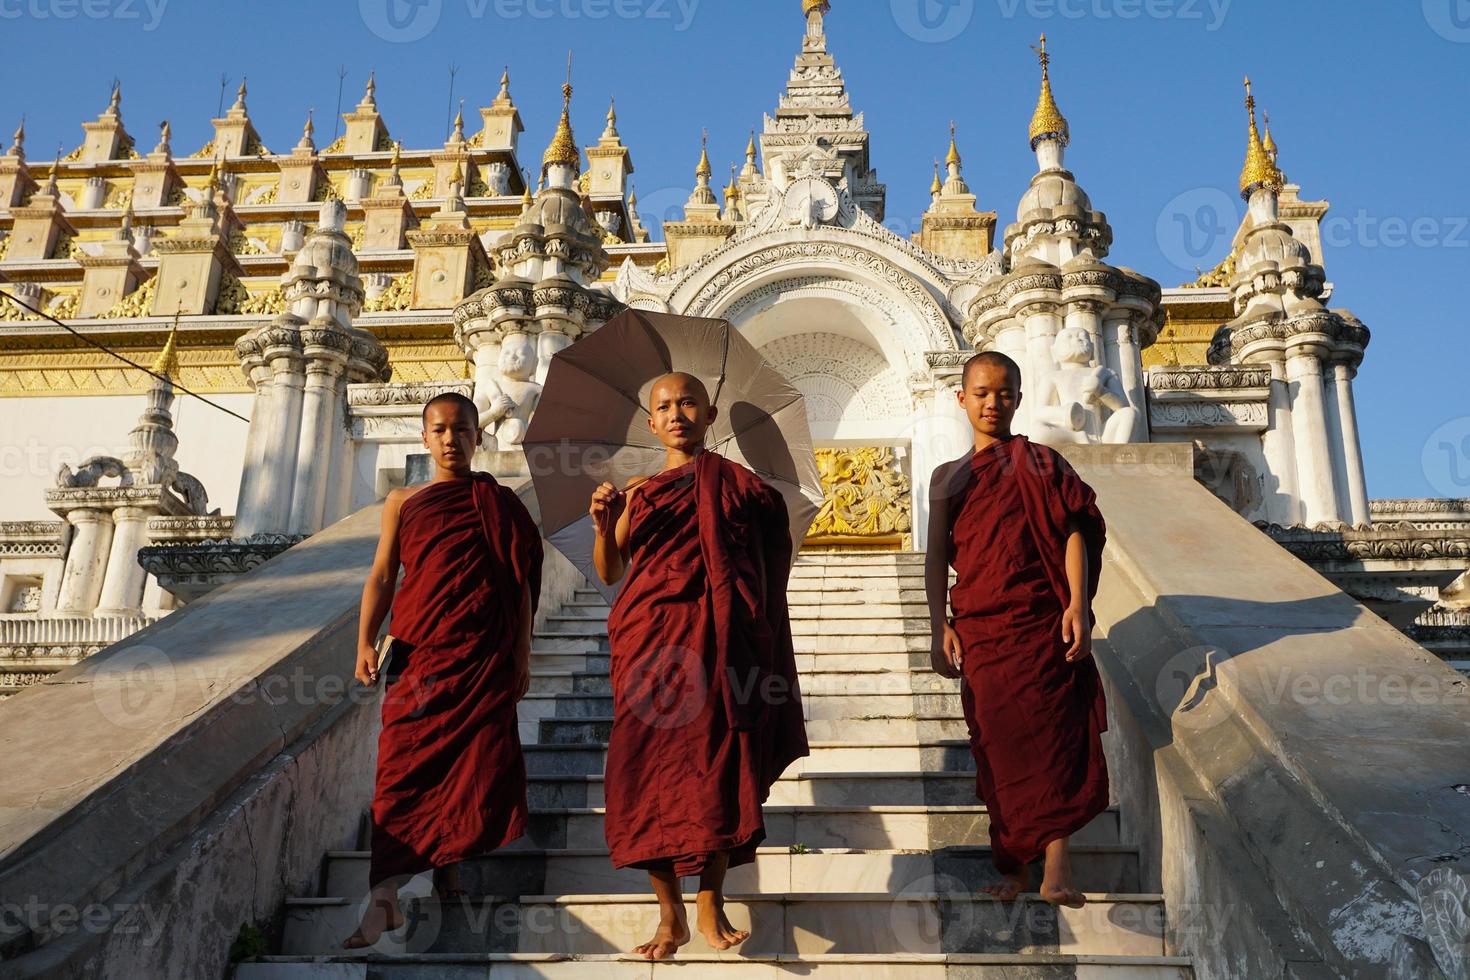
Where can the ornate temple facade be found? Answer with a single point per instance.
(322, 294)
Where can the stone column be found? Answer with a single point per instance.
(940, 433)
(1122, 338)
(122, 585)
(317, 447)
(271, 501)
(1309, 427)
(86, 560)
(254, 462)
(1042, 325)
(1278, 445)
(1347, 414)
(548, 343)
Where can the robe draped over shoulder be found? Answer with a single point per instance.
(1035, 720)
(451, 780)
(706, 704)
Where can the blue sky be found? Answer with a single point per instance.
(1367, 101)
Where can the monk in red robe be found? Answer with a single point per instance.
(706, 707)
(451, 780)
(1025, 538)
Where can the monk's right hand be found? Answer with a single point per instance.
(607, 506)
(367, 664)
(948, 653)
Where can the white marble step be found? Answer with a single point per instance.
(930, 756)
(857, 680)
(776, 870)
(915, 921)
(880, 730)
(792, 789)
(818, 826)
(717, 966)
(815, 705)
(815, 605)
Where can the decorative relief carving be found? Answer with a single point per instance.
(1207, 378)
(865, 496)
(1206, 414)
(413, 393)
(841, 378)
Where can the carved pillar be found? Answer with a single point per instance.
(260, 410)
(1347, 414)
(1041, 324)
(122, 585)
(1278, 445)
(86, 560)
(271, 500)
(324, 366)
(1122, 341)
(1309, 427)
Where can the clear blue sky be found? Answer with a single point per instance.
(1367, 100)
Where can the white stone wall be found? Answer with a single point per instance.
(38, 434)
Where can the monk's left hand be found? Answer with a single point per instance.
(1077, 633)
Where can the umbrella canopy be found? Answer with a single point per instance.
(591, 425)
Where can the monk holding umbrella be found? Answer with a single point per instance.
(655, 414)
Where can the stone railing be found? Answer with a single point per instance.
(182, 783)
(1291, 765)
(47, 630)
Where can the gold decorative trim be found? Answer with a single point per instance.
(867, 499)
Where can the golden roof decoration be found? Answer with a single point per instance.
(937, 186)
(1258, 171)
(954, 151)
(167, 362)
(502, 98)
(821, 6)
(704, 170)
(610, 134)
(563, 149)
(1047, 122)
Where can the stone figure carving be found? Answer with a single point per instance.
(507, 404)
(93, 470)
(1076, 394)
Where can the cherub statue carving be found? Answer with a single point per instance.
(1076, 394)
(507, 404)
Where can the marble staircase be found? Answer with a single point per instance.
(876, 844)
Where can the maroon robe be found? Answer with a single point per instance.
(451, 779)
(706, 706)
(1035, 720)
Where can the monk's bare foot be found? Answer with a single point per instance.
(714, 924)
(1056, 880)
(672, 932)
(446, 883)
(1010, 885)
(382, 915)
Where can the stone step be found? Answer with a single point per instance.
(823, 826)
(938, 756)
(857, 681)
(882, 730)
(918, 921)
(792, 789)
(817, 605)
(815, 705)
(621, 966)
(775, 870)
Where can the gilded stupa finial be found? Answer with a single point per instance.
(937, 186)
(1047, 122)
(502, 98)
(167, 362)
(165, 134)
(563, 149)
(704, 171)
(240, 95)
(819, 6)
(610, 134)
(18, 142)
(1258, 171)
(953, 160)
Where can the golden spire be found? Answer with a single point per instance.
(458, 136)
(704, 170)
(1268, 143)
(165, 133)
(611, 132)
(307, 129)
(502, 98)
(213, 184)
(563, 149)
(807, 6)
(936, 187)
(1047, 122)
(526, 199)
(240, 95)
(750, 149)
(458, 176)
(953, 160)
(167, 362)
(1258, 171)
(397, 154)
(17, 145)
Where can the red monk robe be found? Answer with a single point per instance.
(451, 780)
(692, 754)
(1035, 720)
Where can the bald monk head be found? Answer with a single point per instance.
(679, 411)
(991, 393)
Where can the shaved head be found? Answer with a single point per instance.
(995, 359)
(679, 379)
